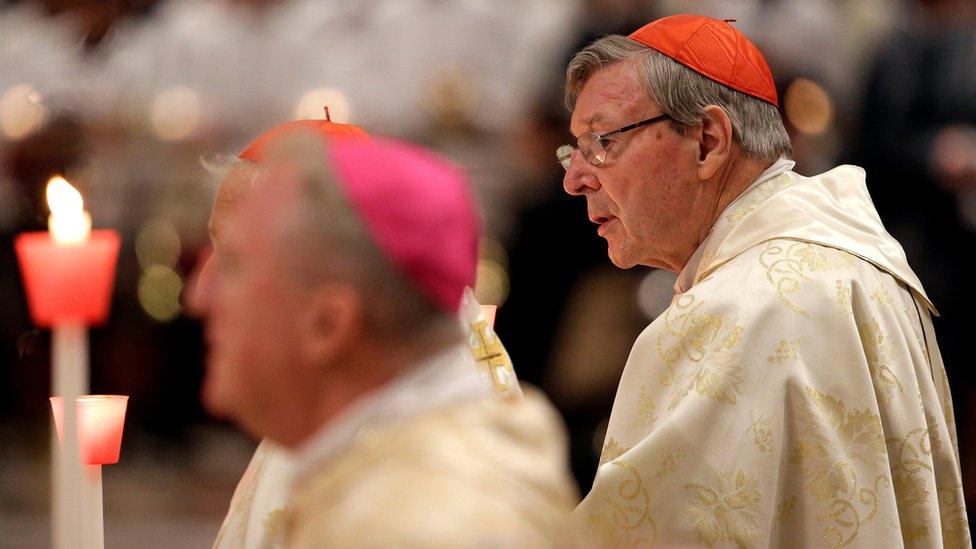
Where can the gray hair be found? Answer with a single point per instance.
(335, 244)
(683, 94)
(218, 166)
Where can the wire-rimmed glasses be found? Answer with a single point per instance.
(593, 145)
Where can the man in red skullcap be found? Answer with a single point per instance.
(255, 517)
(793, 392)
(332, 304)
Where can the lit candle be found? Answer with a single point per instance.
(68, 274)
(69, 223)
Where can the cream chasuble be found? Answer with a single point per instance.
(433, 460)
(792, 395)
(258, 513)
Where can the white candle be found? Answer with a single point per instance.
(69, 360)
(77, 516)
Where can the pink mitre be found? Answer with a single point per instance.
(418, 209)
(416, 206)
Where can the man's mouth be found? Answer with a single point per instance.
(603, 221)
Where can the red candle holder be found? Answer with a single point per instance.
(101, 419)
(68, 283)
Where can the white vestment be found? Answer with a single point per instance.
(792, 394)
(433, 460)
(257, 516)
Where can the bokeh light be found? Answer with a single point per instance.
(492, 283)
(176, 113)
(21, 111)
(655, 292)
(159, 293)
(158, 243)
(312, 105)
(808, 106)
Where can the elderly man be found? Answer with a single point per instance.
(256, 516)
(793, 392)
(331, 304)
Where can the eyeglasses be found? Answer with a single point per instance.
(594, 145)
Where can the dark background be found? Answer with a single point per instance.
(125, 97)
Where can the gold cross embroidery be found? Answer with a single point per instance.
(491, 356)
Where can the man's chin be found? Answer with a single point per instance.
(619, 257)
(214, 402)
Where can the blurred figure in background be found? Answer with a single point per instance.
(257, 509)
(918, 143)
(181, 78)
(793, 392)
(331, 308)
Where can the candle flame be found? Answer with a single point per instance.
(69, 222)
(63, 198)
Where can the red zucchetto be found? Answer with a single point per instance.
(255, 151)
(713, 48)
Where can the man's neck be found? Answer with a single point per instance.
(732, 180)
(362, 371)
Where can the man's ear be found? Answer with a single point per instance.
(334, 320)
(714, 142)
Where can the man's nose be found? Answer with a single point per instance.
(580, 178)
(199, 291)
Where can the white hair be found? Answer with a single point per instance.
(218, 166)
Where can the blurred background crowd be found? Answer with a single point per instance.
(124, 98)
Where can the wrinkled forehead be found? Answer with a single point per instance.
(262, 209)
(610, 95)
(275, 190)
(268, 185)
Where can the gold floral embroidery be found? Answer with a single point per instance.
(671, 462)
(726, 509)
(783, 516)
(691, 334)
(786, 350)
(706, 262)
(877, 350)
(846, 258)
(763, 434)
(933, 431)
(947, 411)
(626, 516)
(882, 297)
(787, 265)
(612, 450)
(784, 511)
(759, 196)
(844, 301)
(695, 330)
(645, 409)
(955, 525)
(910, 457)
(737, 215)
(276, 524)
(842, 454)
